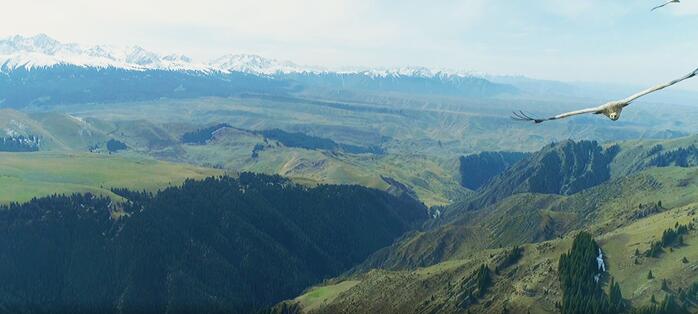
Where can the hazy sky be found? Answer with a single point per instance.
(575, 40)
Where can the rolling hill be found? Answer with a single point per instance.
(434, 269)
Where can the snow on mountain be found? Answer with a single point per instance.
(258, 65)
(42, 51)
(422, 72)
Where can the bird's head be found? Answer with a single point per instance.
(613, 112)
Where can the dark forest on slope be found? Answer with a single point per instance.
(217, 245)
(563, 168)
(301, 140)
(477, 169)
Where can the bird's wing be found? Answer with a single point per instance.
(521, 116)
(630, 99)
(662, 5)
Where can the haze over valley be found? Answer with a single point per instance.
(137, 179)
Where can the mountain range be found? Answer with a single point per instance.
(42, 51)
(40, 71)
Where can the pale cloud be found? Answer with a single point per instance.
(553, 39)
(685, 8)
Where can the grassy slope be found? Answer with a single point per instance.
(433, 180)
(27, 175)
(634, 153)
(424, 136)
(532, 283)
(324, 295)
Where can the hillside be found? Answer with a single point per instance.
(621, 215)
(259, 240)
(629, 195)
(477, 170)
(525, 216)
(24, 176)
(564, 168)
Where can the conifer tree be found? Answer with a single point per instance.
(581, 292)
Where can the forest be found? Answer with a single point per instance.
(203, 135)
(221, 244)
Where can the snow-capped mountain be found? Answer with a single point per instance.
(42, 51)
(41, 71)
(258, 65)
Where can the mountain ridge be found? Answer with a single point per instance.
(41, 51)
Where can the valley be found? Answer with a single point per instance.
(251, 185)
(428, 271)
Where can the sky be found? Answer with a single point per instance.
(618, 41)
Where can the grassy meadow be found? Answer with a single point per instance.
(27, 175)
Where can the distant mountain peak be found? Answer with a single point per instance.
(42, 51)
(251, 63)
(41, 43)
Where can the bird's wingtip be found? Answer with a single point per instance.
(521, 116)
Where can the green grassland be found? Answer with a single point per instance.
(27, 175)
(433, 179)
(319, 296)
(430, 125)
(450, 253)
(423, 136)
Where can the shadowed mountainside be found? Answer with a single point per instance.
(564, 168)
(478, 169)
(217, 245)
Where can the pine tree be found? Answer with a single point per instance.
(682, 294)
(581, 293)
(484, 278)
(649, 275)
(615, 296)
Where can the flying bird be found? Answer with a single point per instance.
(665, 4)
(610, 109)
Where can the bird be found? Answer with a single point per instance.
(665, 4)
(611, 109)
